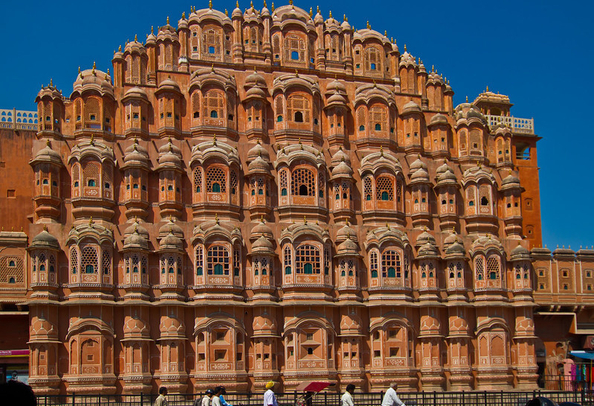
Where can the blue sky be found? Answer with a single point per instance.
(533, 51)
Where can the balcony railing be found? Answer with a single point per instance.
(517, 125)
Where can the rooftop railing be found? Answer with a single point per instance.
(18, 119)
(516, 124)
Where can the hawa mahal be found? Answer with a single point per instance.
(274, 195)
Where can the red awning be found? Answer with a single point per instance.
(312, 386)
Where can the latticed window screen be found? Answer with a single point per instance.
(459, 269)
(106, 261)
(298, 108)
(493, 267)
(351, 267)
(233, 182)
(144, 264)
(91, 171)
(307, 259)
(199, 260)
(294, 47)
(321, 183)
(451, 270)
(170, 265)
(264, 266)
(135, 263)
(42, 262)
(391, 264)
(384, 188)
(52, 263)
(337, 191)
(179, 266)
(431, 270)
(276, 44)
(215, 180)
(75, 174)
(73, 260)
(236, 261)
(373, 264)
(378, 120)
(198, 180)
(11, 270)
(211, 41)
(326, 261)
(218, 260)
(399, 191)
(89, 260)
(367, 188)
(303, 182)
(214, 103)
(283, 179)
(196, 105)
(287, 259)
(361, 120)
(279, 106)
(480, 268)
(373, 60)
(342, 267)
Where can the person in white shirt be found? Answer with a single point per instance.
(391, 398)
(214, 400)
(269, 396)
(206, 399)
(347, 398)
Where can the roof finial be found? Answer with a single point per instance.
(210, 4)
(261, 218)
(404, 47)
(272, 6)
(93, 139)
(183, 15)
(265, 6)
(290, 2)
(466, 99)
(152, 32)
(226, 13)
(304, 219)
(91, 221)
(382, 150)
(51, 82)
(167, 20)
(217, 218)
(487, 88)
(237, 4)
(330, 14)
(296, 73)
(368, 25)
(45, 227)
(252, 5)
(318, 9)
(135, 37)
(432, 68)
(311, 11)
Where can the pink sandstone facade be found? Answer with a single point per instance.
(273, 195)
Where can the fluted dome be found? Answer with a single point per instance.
(340, 156)
(452, 238)
(136, 154)
(258, 151)
(428, 250)
(259, 165)
(510, 180)
(424, 238)
(170, 155)
(136, 227)
(135, 93)
(171, 227)
(438, 119)
(93, 80)
(262, 246)
(44, 240)
(47, 155)
(170, 242)
(417, 164)
(168, 85)
(520, 253)
(348, 247)
(335, 86)
(136, 240)
(255, 79)
(342, 170)
(455, 250)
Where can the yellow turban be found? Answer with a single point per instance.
(270, 385)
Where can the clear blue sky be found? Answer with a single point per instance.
(533, 51)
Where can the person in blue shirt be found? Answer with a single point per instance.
(220, 391)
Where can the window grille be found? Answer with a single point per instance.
(218, 260)
(215, 180)
(303, 182)
(307, 259)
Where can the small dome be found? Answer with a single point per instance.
(342, 170)
(47, 155)
(510, 180)
(259, 165)
(171, 227)
(425, 238)
(93, 80)
(255, 79)
(168, 85)
(340, 156)
(335, 86)
(456, 249)
(346, 232)
(428, 250)
(348, 247)
(421, 175)
(418, 164)
(262, 246)
(134, 47)
(136, 240)
(345, 25)
(237, 13)
(255, 93)
(171, 242)
(170, 155)
(336, 98)
(438, 119)
(411, 107)
(136, 153)
(262, 230)
(135, 93)
(45, 240)
(451, 239)
(258, 151)
(136, 227)
(443, 168)
(520, 253)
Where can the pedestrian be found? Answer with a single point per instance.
(347, 398)
(205, 400)
(215, 399)
(391, 398)
(269, 396)
(162, 398)
(221, 391)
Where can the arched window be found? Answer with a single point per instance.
(373, 264)
(214, 104)
(287, 260)
(484, 201)
(384, 188)
(199, 260)
(303, 182)
(480, 268)
(367, 188)
(283, 182)
(391, 266)
(493, 267)
(89, 259)
(216, 180)
(218, 260)
(307, 259)
(298, 108)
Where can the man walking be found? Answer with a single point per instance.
(269, 396)
(162, 398)
(347, 398)
(391, 398)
